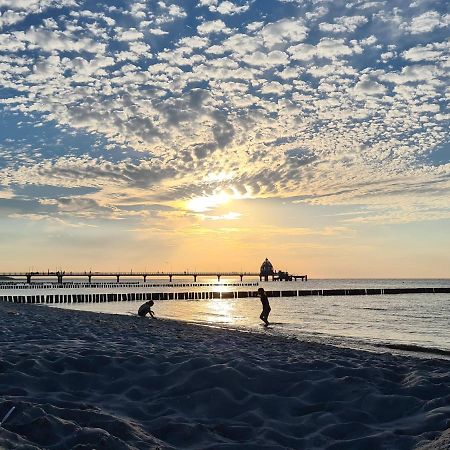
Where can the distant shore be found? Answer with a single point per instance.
(122, 382)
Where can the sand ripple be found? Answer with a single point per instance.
(81, 381)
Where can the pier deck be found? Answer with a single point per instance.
(60, 275)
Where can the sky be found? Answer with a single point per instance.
(211, 134)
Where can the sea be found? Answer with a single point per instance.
(413, 323)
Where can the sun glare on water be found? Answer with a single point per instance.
(220, 311)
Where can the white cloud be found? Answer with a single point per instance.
(208, 2)
(368, 4)
(216, 49)
(284, 31)
(242, 44)
(412, 74)
(10, 43)
(386, 56)
(289, 72)
(35, 5)
(157, 31)
(130, 34)
(345, 24)
(333, 48)
(335, 69)
(227, 7)
(194, 42)
(317, 12)
(176, 11)
(428, 22)
(430, 52)
(87, 68)
(326, 48)
(366, 86)
(224, 7)
(260, 59)
(213, 26)
(56, 40)
(303, 52)
(253, 26)
(10, 18)
(138, 10)
(273, 87)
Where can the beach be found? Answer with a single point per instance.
(85, 380)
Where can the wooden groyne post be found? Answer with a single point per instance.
(24, 295)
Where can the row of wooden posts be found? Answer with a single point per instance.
(144, 296)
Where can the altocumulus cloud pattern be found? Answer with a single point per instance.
(106, 105)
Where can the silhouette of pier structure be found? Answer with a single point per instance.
(266, 272)
(63, 275)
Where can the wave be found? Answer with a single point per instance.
(416, 348)
(374, 309)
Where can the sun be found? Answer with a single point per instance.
(206, 203)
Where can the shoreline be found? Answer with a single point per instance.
(398, 347)
(80, 378)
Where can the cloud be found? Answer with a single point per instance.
(227, 7)
(130, 34)
(254, 26)
(284, 31)
(327, 48)
(260, 59)
(428, 22)
(274, 87)
(345, 24)
(10, 18)
(298, 101)
(50, 41)
(35, 5)
(213, 26)
(429, 52)
(10, 43)
(412, 74)
(176, 11)
(157, 31)
(224, 7)
(366, 86)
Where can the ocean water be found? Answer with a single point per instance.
(418, 323)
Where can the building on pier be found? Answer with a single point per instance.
(266, 270)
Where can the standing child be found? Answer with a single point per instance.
(266, 306)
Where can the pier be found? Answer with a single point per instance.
(61, 275)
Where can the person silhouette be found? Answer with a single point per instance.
(266, 306)
(146, 309)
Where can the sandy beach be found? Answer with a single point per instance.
(80, 380)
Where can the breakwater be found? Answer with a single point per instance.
(97, 294)
(359, 291)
